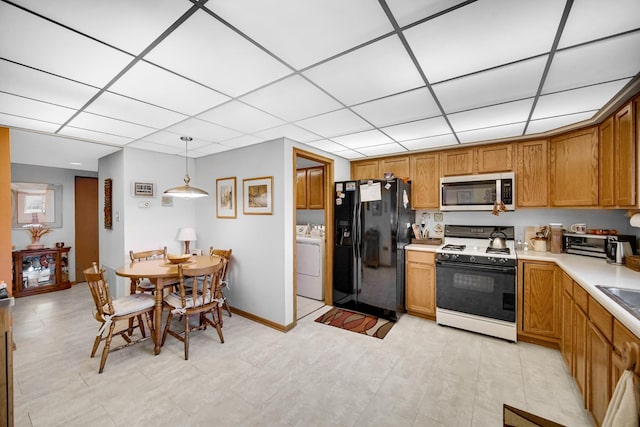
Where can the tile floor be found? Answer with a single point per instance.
(307, 306)
(421, 374)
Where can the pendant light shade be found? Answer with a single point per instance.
(186, 191)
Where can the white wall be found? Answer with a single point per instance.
(67, 234)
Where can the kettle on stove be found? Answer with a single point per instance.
(617, 251)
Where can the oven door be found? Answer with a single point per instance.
(481, 290)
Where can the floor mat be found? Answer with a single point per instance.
(356, 322)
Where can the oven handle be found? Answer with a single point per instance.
(476, 266)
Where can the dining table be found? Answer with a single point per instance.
(161, 272)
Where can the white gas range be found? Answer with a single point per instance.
(476, 282)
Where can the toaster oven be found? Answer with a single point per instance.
(594, 245)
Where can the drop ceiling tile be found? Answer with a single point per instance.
(592, 19)
(409, 11)
(152, 84)
(418, 129)
(431, 142)
(138, 23)
(91, 135)
(22, 122)
(241, 117)
(164, 137)
(326, 145)
(336, 123)
(319, 29)
(152, 146)
(349, 154)
(376, 70)
(289, 131)
(30, 83)
(204, 130)
(127, 109)
(577, 100)
(211, 149)
(473, 37)
(503, 84)
(491, 133)
(404, 107)
(282, 99)
(363, 139)
(35, 148)
(242, 141)
(593, 63)
(31, 109)
(543, 125)
(208, 52)
(510, 112)
(109, 126)
(38, 43)
(380, 150)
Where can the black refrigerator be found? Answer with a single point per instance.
(372, 225)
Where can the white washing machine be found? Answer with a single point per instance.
(310, 264)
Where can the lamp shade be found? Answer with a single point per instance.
(186, 191)
(186, 234)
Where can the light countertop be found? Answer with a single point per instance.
(587, 271)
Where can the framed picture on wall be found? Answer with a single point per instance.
(226, 197)
(34, 203)
(257, 196)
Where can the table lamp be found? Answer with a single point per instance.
(186, 235)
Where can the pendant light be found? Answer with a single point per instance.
(186, 191)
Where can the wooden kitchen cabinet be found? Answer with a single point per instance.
(365, 169)
(421, 284)
(399, 166)
(494, 158)
(573, 160)
(457, 162)
(425, 181)
(606, 153)
(580, 331)
(599, 351)
(541, 314)
(532, 174)
(36, 271)
(566, 340)
(310, 188)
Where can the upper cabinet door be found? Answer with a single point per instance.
(399, 166)
(574, 169)
(457, 162)
(532, 174)
(625, 157)
(301, 189)
(606, 163)
(494, 158)
(365, 169)
(425, 181)
(315, 188)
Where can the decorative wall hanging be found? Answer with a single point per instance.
(226, 197)
(257, 195)
(33, 203)
(108, 223)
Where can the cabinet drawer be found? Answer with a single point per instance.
(421, 257)
(601, 318)
(622, 335)
(580, 296)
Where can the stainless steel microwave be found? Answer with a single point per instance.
(477, 192)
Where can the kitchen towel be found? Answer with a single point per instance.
(635, 220)
(622, 410)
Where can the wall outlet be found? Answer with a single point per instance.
(145, 204)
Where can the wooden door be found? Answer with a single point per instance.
(606, 163)
(315, 188)
(366, 169)
(421, 290)
(581, 323)
(86, 219)
(566, 343)
(399, 166)
(599, 373)
(495, 158)
(542, 300)
(457, 162)
(425, 181)
(301, 189)
(625, 157)
(532, 174)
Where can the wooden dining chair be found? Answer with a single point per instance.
(144, 284)
(195, 300)
(109, 312)
(224, 282)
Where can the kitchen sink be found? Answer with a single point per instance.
(629, 299)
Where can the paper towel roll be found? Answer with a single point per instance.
(635, 220)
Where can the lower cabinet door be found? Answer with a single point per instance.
(581, 323)
(599, 362)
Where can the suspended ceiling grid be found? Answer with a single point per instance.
(355, 78)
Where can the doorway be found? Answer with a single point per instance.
(86, 224)
(322, 219)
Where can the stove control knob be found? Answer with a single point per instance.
(503, 260)
(472, 258)
(491, 259)
(455, 256)
(445, 256)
